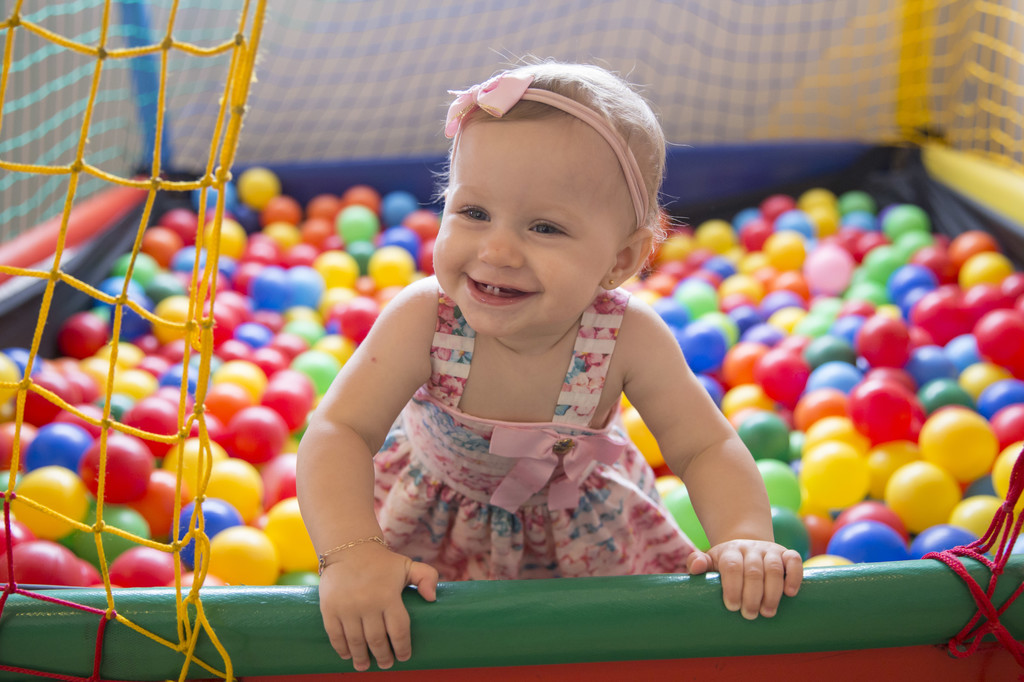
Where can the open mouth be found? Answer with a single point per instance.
(494, 290)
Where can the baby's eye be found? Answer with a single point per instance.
(544, 228)
(474, 213)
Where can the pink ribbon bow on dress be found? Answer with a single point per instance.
(537, 452)
(495, 96)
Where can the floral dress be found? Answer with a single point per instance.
(486, 499)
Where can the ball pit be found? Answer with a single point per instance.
(874, 372)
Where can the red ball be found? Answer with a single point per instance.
(41, 562)
(39, 410)
(19, 533)
(292, 345)
(271, 319)
(90, 410)
(225, 318)
(1008, 424)
(244, 274)
(1000, 336)
(183, 222)
(883, 341)
(161, 244)
(819, 529)
(300, 254)
(279, 479)
(291, 395)
(755, 233)
(866, 242)
(1013, 285)
(234, 349)
(258, 433)
(356, 316)
(775, 205)
(984, 298)
(260, 250)
(941, 313)
(269, 359)
(154, 364)
(155, 415)
(82, 335)
(893, 375)
(28, 433)
(423, 222)
(882, 410)
(856, 307)
(142, 567)
(129, 464)
(782, 373)
(871, 510)
(936, 259)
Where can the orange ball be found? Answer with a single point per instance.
(739, 362)
(661, 283)
(818, 404)
(226, 398)
(969, 243)
(364, 195)
(315, 230)
(791, 280)
(324, 206)
(161, 243)
(281, 209)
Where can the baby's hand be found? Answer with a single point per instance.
(754, 574)
(361, 604)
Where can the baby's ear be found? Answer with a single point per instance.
(632, 256)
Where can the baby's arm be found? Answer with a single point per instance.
(701, 446)
(361, 586)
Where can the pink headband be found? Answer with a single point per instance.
(499, 94)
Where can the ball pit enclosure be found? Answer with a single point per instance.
(876, 618)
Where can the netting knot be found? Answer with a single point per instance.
(101, 53)
(14, 20)
(239, 39)
(238, 110)
(99, 526)
(167, 43)
(77, 166)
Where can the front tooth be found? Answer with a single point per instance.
(491, 289)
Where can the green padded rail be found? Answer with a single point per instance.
(277, 630)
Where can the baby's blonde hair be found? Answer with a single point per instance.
(614, 100)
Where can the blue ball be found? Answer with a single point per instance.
(57, 444)
(404, 237)
(835, 374)
(230, 198)
(173, 375)
(133, 325)
(19, 356)
(795, 220)
(745, 317)
(846, 328)
(927, 363)
(185, 258)
(861, 220)
(704, 345)
(940, 538)
(714, 389)
(305, 286)
(227, 266)
(672, 312)
(744, 217)
(777, 300)
(254, 334)
(998, 395)
(963, 351)
(269, 289)
(764, 333)
(907, 302)
(868, 542)
(720, 265)
(908, 277)
(394, 206)
(217, 515)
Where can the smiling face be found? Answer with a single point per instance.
(537, 219)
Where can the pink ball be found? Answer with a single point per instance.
(828, 269)
(883, 341)
(258, 433)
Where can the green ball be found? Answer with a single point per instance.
(868, 291)
(941, 392)
(301, 578)
(145, 268)
(357, 224)
(310, 330)
(361, 252)
(881, 261)
(782, 484)
(163, 285)
(119, 405)
(812, 326)
(320, 367)
(796, 445)
(790, 531)
(678, 503)
(910, 243)
(119, 516)
(766, 435)
(828, 348)
(827, 307)
(697, 296)
(904, 218)
(728, 325)
(856, 200)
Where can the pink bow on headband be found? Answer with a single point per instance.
(537, 453)
(495, 96)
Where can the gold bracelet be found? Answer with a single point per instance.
(348, 545)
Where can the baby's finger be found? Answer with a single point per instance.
(794, 565)
(336, 633)
(698, 562)
(356, 643)
(396, 620)
(774, 578)
(753, 585)
(377, 639)
(730, 567)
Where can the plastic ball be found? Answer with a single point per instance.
(871, 510)
(789, 531)
(356, 317)
(116, 516)
(745, 396)
(696, 296)
(1007, 423)
(766, 435)
(704, 346)
(41, 562)
(715, 235)
(882, 410)
(279, 478)
(142, 567)
(960, 441)
(1002, 468)
(245, 374)
(57, 444)
(818, 404)
(281, 208)
(739, 362)
(81, 335)
(979, 376)
(883, 342)
(357, 223)
(986, 267)
(391, 266)
(835, 374)
(396, 205)
(835, 429)
(828, 269)
(257, 186)
(1000, 394)
(287, 532)
(975, 513)
(258, 434)
(128, 466)
(783, 375)
(834, 474)
(156, 505)
(642, 437)
(55, 487)
(191, 456)
(216, 516)
(905, 218)
(868, 541)
(243, 555)
(782, 484)
(922, 494)
(939, 538)
(823, 560)
(677, 501)
(320, 367)
(238, 483)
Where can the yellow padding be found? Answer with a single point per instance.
(998, 188)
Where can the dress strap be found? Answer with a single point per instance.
(451, 352)
(595, 342)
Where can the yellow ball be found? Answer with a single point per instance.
(826, 560)
(960, 441)
(835, 429)
(752, 262)
(743, 284)
(304, 313)
(257, 186)
(666, 484)
(128, 354)
(57, 488)
(825, 218)
(785, 250)
(787, 318)
(976, 378)
(642, 437)
(676, 247)
(987, 267)
(97, 368)
(743, 396)
(285, 235)
(173, 311)
(287, 531)
(647, 296)
(890, 310)
(9, 372)
(975, 513)
(338, 268)
(884, 459)
(136, 383)
(332, 297)
(922, 494)
(233, 238)
(1001, 470)
(835, 475)
(715, 235)
(817, 197)
(391, 266)
(238, 483)
(244, 373)
(193, 461)
(243, 555)
(336, 345)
